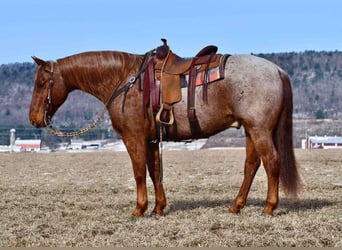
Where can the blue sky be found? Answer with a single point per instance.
(55, 29)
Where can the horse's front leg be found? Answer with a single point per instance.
(136, 148)
(153, 163)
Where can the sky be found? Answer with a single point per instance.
(56, 29)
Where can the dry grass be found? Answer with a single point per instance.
(78, 199)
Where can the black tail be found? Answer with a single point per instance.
(283, 138)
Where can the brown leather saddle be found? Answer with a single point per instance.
(169, 72)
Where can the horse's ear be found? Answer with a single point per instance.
(38, 60)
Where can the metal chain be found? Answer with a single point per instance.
(59, 133)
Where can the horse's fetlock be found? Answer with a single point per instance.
(158, 211)
(137, 213)
(234, 210)
(268, 210)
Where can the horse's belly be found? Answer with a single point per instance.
(210, 118)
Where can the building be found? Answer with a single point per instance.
(324, 142)
(78, 144)
(28, 145)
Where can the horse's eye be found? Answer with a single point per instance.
(41, 85)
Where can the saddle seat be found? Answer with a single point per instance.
(169, 67)
(178, 65)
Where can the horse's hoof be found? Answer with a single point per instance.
(137, 213)
(158, 212)
(234, 210)
(268, 211)
(155, 215)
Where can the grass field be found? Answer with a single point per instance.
(86, 199)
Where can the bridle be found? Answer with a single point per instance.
(123, 89)
(47, 118)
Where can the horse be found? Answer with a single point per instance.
(255, 93)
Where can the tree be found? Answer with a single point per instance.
(7, 112)
(319, 114)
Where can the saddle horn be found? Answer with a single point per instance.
(162, 50)
(164, 41)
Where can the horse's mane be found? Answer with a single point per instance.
(98, 67)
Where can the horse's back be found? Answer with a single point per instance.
(253, 72)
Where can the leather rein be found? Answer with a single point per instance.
(123, 89)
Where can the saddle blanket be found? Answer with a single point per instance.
(212, 75)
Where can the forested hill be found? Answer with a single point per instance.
(316, 79)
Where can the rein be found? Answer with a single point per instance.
(123, 89)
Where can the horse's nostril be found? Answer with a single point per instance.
(33, 123)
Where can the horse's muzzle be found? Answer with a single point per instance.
(37, 125)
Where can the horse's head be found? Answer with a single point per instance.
(49, 93)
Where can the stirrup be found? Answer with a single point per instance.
(170, 122)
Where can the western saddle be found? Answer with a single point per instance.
(167, 73)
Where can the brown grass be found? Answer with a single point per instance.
(86, 199)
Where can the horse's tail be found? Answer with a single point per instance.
(283, 138)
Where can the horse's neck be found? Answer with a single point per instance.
(103, 78)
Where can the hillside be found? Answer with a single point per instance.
(316, 79)
(317, 82)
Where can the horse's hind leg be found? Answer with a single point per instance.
(264, 145)
(153, 163)
(252, 164)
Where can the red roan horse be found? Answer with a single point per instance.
(255, 93)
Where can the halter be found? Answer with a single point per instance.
(47, 118)
(123, 89)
